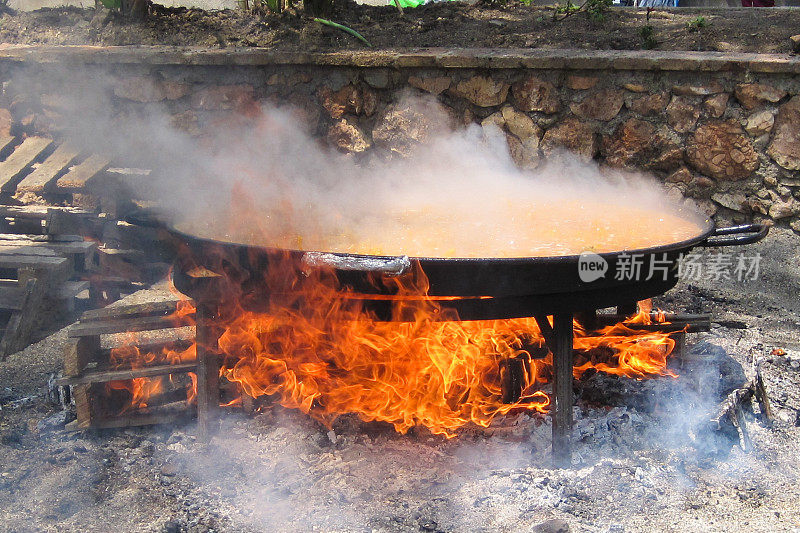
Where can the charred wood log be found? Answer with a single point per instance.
(661, 322)
(761, 395)
(730, 420)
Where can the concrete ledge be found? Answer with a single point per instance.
(640, 60)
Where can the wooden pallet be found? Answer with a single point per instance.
(36, 169)
(121, 271)
(40, 166)
(63, 172)
(41, 271)
(111, 271)
(20, 162)
(87, 368)
(25, 283)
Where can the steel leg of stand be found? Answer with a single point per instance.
(207, 376)
(562, 388)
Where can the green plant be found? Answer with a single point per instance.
(345, 29)
(647, 33)
(697, 23)
(596, 9)
(135, 9)
(567, 9)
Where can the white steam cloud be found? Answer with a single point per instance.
(266, 180)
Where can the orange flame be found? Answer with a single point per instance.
(130, 356)
(317, 350)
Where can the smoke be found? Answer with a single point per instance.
(262, 178)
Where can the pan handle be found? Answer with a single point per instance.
(736, 235)
(391, 266)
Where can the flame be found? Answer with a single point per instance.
(318, 348)
(130, 356)
(636, 353)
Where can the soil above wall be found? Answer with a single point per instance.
(440, 25)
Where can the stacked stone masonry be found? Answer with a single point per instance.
(722, 133)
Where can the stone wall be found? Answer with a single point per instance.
(723, 129)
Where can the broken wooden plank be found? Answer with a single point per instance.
(49, 171)
(63, 222)
(6, 142)
(30, 261)
(761, 394)
(174, 340)
(19, 327)
(70, 248)
(130, 171)
(118, 375)
(147, 323)
(730, 416)
(169, 397)
(63, 238)
(162, 308)
(78, 353)
(107, 289)
(19, 237)
(39, 211)
(21, 160)
(82, 173)
(12, 298)
(32, 248)
(667, 327)
(130, 420)
(70, 289)
(663, 322)
(121, 253)
(79, 255)
(22, 226)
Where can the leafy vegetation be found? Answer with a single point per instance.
(595, 10)
(647, 33)
(137, 9)
(568, 9)
(697, 23)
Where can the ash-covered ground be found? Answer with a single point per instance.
(645, 456)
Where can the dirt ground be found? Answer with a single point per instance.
(446, 24)
(645, 458)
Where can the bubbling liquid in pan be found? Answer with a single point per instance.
(497, 229)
